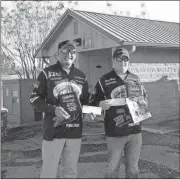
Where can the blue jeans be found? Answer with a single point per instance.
(131, 145)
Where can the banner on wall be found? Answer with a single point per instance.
(150, 72)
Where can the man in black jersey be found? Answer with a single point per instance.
(60, 91)
(121, 133)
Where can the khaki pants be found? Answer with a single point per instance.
(66, 149)
(131, 145)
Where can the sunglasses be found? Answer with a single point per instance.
(121, 58)
(66, 51)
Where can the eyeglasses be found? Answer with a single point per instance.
(121, 58)
(66, 51)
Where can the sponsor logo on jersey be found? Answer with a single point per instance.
(67, 87)
(119, 92)
(72, 125)
(110, 81)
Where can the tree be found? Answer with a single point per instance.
(108, 4)
(143, 12)
(24, 27)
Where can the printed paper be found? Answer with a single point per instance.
(92, 109)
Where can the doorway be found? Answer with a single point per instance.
(11, 98)
(98, 65)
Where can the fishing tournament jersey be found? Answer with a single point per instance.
(52, 82)
(111, 86)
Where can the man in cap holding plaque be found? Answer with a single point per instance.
(111, 92)
(60, 91)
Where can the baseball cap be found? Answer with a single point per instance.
(66, 43)
(121, 52)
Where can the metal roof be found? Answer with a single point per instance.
(129, 30)
(136, 30)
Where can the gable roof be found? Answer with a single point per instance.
(131, 29)
(127, 30)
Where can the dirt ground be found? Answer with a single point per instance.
(21, 151)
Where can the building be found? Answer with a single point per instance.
(16, 93)
(156, 59)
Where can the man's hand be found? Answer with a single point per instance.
(105, 104)
(57, 121)
(61, 113)
(89, 117)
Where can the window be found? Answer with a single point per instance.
(7, 92)
(87, 42)
(15, 93)
(75, 28)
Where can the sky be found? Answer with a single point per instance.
(157, 10)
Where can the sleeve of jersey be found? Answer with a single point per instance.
(84, 98)
(37, 98)
(98, 95)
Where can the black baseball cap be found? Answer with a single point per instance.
(121, 52)
(66, 43)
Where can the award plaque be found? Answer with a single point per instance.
(119, 115)
(118, 118)
(123, 116)
(70, 103)
(138, 109)
(137, 106)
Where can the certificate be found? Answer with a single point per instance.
(117, 101)
(91, 109)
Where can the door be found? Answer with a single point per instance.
(15, 101)
(11, 98)
(98, 65)
(7, 97)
